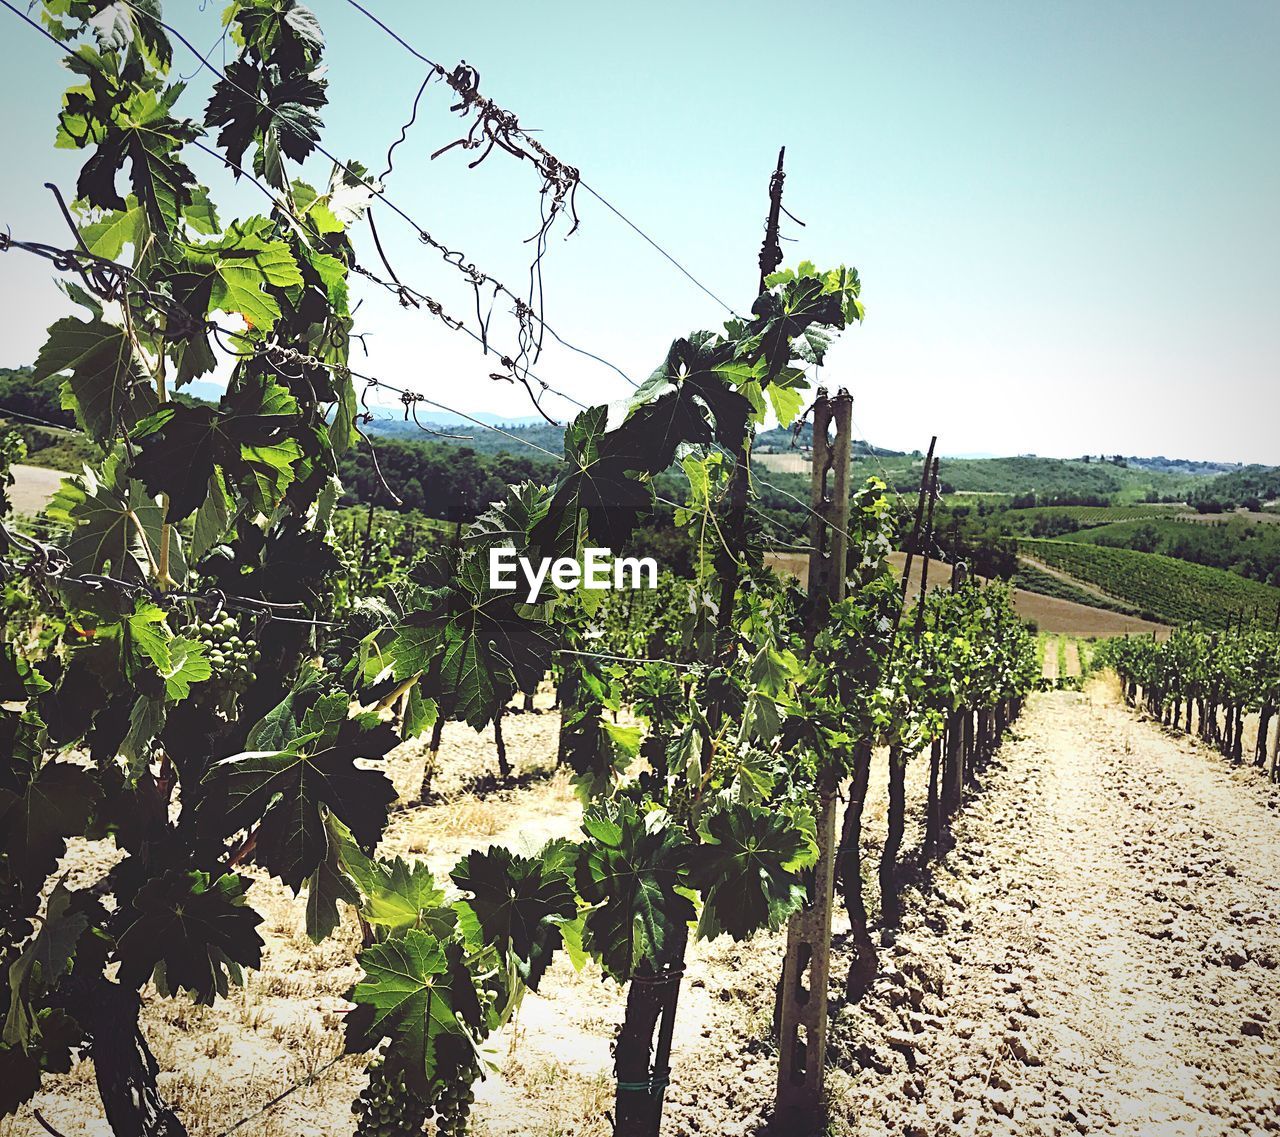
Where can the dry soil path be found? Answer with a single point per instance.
(1100, 954)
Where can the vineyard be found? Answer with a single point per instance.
(310, 823)
(1159, 587)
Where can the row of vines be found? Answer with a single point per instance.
(1209, 684)
(207, 668)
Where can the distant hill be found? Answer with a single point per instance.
(521, 437)
(1250, 486)
(1115, 480)
(1181, 465)
(781, 440)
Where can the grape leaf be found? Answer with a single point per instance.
(120, 25)
(112, 521)
(146, 720)
(746, 869)
(518, 904)
(246, 437)
(213, 517)
(193, 931)
(631, 866)
(37, 817)
(400, 895)
(332, 881)
(287, 789)
(20, 1068)
(187, 665)
(108, 236)
(280, 116)
(22, 730)
(418, 996)
(131, 124)
(395, 895)
(107, 388)
(597, 483)
(235, 272)
(43, 960)
(474, 647)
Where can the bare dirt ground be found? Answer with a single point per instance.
(32, 488)
(1073, 659)
(1098, 955)
(789, 462)
(1049, 613)
(1049, 660)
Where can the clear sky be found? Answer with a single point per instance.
(1066, 215)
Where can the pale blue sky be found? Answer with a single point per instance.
(1066, 216)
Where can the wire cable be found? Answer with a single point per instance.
(440, 70)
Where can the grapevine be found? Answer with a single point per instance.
(218, 666)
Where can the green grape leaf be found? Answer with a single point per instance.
(281, 117)
(146, 720)
(772, 669)
(399, 895)
(113, 522)
(302, 22)
(393, 895)
(420, 714)
(286, 790)
(281, 723)
(148, 633)
(332, 881)
(473, 647)
(786, 402)
(235, 272)
(38, 816)
(120, 25)
(597, 483)
(107, 388)
(177, 660)
(51, 1052)
(182, 448)
(213, 517)
(138, 131)
(518, 904)
(631, 867)
(42, 962)
(417, 999)
(200, 214)
(187, 665)
(192, 931)
(658, 428)
(108, 236)
(23, 733)
(746, 870)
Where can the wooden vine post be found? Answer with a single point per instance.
(803, 1020)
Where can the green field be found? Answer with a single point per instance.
(1033, 579)
(1237, 544)
(1087, 516)
(1169, 590)
(1045, 477)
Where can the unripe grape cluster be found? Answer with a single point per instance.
(388, 1107)
(231, 657)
